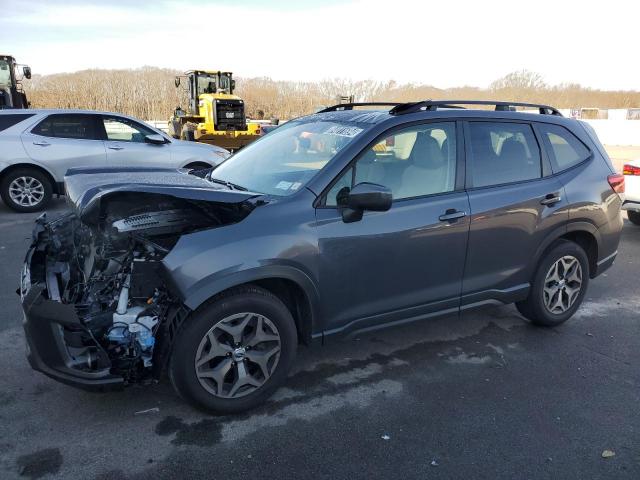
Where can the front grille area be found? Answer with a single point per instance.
(229, 115)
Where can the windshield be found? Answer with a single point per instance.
(287, 158)
(5, 73)
(224, 82)
(206, 84)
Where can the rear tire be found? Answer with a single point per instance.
(559, 285)
(26, 190)
(634, 217)
(234, 352)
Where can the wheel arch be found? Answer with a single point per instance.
(198, 164)
(293, 287)
(589, 243)
(584, 234)
(18, 166)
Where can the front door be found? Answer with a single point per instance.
(126, 145)
(406, 263)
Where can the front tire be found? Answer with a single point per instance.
(559, 285)
(634, 217)
(234, 352)
(26, 190)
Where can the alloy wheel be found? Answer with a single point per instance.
(26, 191)
(562, 284)
(238, 355)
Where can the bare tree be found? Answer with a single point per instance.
(149, 93)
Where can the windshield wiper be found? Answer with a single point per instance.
(229, 185)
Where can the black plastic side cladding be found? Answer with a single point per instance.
(165, 336)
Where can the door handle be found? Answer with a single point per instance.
(551, 199)
(41, 143)
(451, 214)
(115, 147)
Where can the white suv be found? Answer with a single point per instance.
(37, 147)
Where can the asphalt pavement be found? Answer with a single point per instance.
(481, 396)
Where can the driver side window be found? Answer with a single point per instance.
(412, 162)
(125, 130)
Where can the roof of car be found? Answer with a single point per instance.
(210, 72)
(373, 117)
(381, 111)
(48, 111)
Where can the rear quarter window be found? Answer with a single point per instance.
(68, 125)
(7, 121)
(563, 147)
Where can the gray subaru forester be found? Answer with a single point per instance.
(355, 218)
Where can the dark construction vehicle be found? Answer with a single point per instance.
(12, 94)
(336, 223)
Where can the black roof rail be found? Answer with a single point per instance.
(349, 106)
(499, 106)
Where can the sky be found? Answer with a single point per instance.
(445, 43)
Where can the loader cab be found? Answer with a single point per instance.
(11, 93)
(206, 83)
(212, 83)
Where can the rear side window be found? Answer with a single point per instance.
(563, 147)
(503, 153)
(68, 126)
(7, 121)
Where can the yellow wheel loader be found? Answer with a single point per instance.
(215, 115)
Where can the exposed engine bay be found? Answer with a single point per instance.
(101, 286)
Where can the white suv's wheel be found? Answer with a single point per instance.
(634, 217)
(26, 190)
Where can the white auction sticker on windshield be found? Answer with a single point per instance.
(343, 131)
(284, 185)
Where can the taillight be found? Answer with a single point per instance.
(617, 182)
(630, 170)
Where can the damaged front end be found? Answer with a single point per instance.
(99, 309)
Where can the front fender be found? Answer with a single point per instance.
(277, 240)
(217, 283)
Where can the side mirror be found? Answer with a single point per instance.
(366, 196)
(233, 85)
(26, 71)
(155, 139)
(176, 81)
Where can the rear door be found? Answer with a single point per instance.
(126, 145)
(65, 140)
(515, 205)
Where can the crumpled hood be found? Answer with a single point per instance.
(87, 188)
